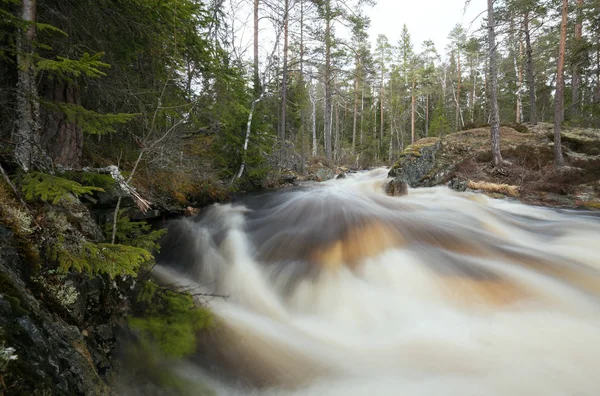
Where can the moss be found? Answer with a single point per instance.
(103, 181)
(415, 148)
(12, 294)
(15, 305)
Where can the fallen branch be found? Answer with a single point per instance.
(142, 203)
(12, 186)
(506, 189)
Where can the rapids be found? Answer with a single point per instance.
(338, 289)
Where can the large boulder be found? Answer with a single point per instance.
(416, 161)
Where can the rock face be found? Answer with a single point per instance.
(52, 356)
(397, 187)
(416, 161)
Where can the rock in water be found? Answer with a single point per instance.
(416, 161)
(458, 185)
(397, 187)
(324, 174)
(341, 176)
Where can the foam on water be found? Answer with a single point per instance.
(458, 295)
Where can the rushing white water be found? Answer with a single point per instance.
(338, 289)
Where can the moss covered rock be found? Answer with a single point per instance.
(416, 161)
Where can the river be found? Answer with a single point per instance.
(338, 289)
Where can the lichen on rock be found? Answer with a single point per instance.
(416, 161)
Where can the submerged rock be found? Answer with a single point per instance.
(397, 187)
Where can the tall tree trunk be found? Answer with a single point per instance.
(597, 95)
(355, 114)
(26, 134)
(381, 91)
(313, 102)
(362, 109)
(560, 86)
(427, 115)
(302, 84)
(486, 100)
(336, 145)
(257, 88)
(62, 139)
(327, 76)
(471, 103)
(576, 77)
(474, 92)
(519, 116)
(391, 121)
(494, 112)
(412, 113)
(529, 67)
(458, 126)
(282, 132)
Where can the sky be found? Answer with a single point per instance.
(425, 19)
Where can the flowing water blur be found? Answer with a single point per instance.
(338, 289)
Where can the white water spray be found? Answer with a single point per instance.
(338, 289)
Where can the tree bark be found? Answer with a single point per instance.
(529, 67)
(362, 109)
(576, 77)
(458, 115)
(62, 139)
(427, 115)
(282, 130)
(302, 85)
(26, 134)
(412, 113)
(494, 120)
(381, 118)
(355, 116)
(560, 86)
(257, 88)
(327, 124)
(313, 102)
(519, 116)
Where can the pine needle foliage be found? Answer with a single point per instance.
(135, 233)
(101, 258)
(170, 320)
(91, 122)
(69, 69)
(49, 188)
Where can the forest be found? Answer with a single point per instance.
(164, 87)
(163, 105)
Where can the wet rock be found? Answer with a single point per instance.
(458, 185)
(324, 174)
(341, 176)
(397, 187)
(79, 215)
(288, 179)
(416, 161)
(53, 357)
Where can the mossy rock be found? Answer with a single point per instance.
(416, 161)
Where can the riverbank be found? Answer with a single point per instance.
(462, 161)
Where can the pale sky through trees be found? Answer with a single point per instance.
(425, 19)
